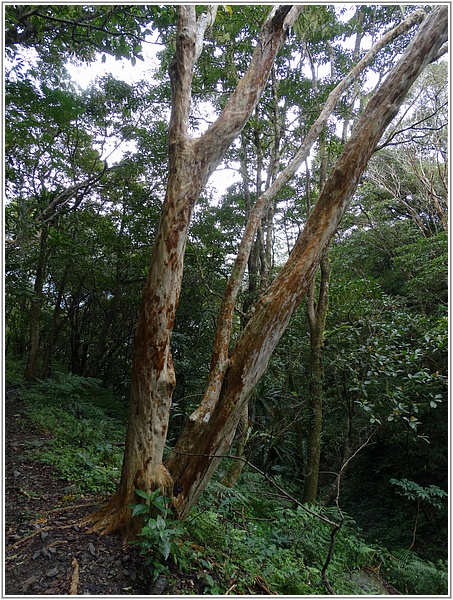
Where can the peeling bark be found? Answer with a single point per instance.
(220, 360)
(191, 462)
(211, 428)
(191, 162)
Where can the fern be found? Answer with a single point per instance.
(412, 575)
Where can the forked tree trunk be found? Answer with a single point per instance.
(191, 162)
(210, 430)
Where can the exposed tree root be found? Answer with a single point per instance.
(37, 532)
(116, 516)
(113, 516)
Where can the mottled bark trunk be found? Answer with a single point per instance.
(191, 162)
(220, 358)
(211, 428)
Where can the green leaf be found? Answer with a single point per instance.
(160, 523)
(143, 494)
(165, 549)
(140, 509)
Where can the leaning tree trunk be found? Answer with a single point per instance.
(191, 162)
(210, 430)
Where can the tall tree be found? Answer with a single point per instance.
(316, 315)
(211, 427)
(191, 162)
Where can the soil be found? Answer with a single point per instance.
(47, 549)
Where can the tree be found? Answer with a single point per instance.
(211, 427)
(57, 30)
(316, 315)
(51, 168)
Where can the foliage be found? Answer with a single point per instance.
(160, 538)
(413, 491)
(239, 538)
(88, 223)
(84, 426)
(259, 535)
(83, 31)
(412, 575)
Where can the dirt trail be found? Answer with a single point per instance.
(47, 551)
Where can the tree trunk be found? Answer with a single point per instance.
(317, 314)
(31, 369)
(191, 162)
(210, 429)
(57, 324)
(236, 467)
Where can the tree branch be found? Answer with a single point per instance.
(283, 492)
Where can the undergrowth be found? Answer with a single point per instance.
(250, 532)
(235, 538)
(85, 427)
(255, 534)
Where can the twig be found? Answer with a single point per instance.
(269, 479)
(335, 526)
(73, 588)
(27, 495)
(415, 526)
(230, 589)
(32, 535)
(333, 533)
(260, 581)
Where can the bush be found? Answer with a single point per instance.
(161, 538)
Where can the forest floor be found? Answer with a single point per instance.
(47, 549)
